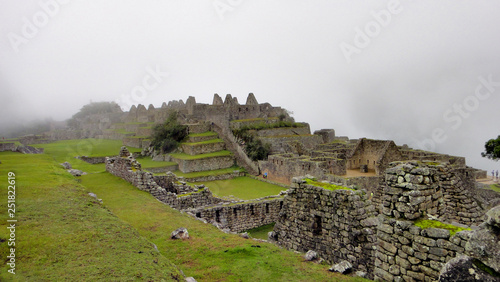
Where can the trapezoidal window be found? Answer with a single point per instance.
(316, 227)
(267, 207)
(217, 216)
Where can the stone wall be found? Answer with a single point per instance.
(413, 192)
(126, 167)
(7, 147)
(65, 134)
(410, 253)
(224, 176)
(238, 217)
(93, 160)
(338, 225)
(133, 142)
(282, 167)
(204, 148)
(296, 144)
(211, 163)
(376, 154)
(283, 131)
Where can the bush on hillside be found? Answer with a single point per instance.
(167, 136)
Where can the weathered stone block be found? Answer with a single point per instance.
(437, 233)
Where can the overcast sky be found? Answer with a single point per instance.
(424, 73)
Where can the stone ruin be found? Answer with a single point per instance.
(387, 242)
(373, 225)
(198, 201)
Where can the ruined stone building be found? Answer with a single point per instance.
(360, 201)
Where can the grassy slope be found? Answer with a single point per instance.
(244, 188)
(56, 212)
(85, 147)
(63, 234)
(209, 255)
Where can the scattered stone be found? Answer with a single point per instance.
(190, 279)
(310, 255)
(245, 235)
(66, 165)
(180, 233)
(361, 274)
(95, 196)
(493, 217)
(76, 172)
(343, 267)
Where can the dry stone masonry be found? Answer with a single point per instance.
(338, 224)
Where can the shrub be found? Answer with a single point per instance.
(167, 136)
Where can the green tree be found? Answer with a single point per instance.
(256, 150)
(167, 136)
(492, 149)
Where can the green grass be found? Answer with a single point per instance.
(62, 234)
(427, 223)
(209, 255)
(67, 150)
(244, 188)
(183, 156)
(495, 187)
(208, 172)
(147, 162)
(204, 142)
(85, 147)
(65, 235)
(208, 133)
(261, 232)
(327, 186)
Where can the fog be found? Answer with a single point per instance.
(422, 73)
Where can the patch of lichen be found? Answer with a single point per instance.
(428, 223)
(327, 186)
